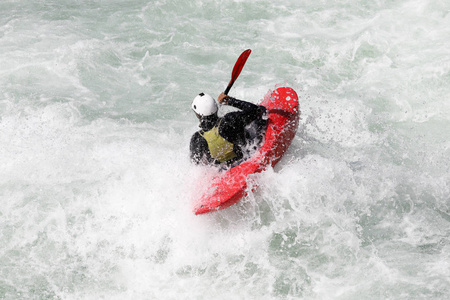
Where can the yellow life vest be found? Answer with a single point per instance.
(220, 148)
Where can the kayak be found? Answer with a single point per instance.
(229, 187)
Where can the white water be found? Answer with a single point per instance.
(95, 182)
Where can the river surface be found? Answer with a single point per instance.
(96, 186)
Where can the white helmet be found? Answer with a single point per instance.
(204, 105)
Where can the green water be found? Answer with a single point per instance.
(96, 185)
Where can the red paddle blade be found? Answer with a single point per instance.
(238, 68)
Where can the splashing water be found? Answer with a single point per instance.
(95, 180)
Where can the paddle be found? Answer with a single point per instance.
(238, 68)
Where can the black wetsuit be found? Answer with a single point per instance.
(232, 127)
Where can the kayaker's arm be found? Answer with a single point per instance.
(251, 111)
(242, 105)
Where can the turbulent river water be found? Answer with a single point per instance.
(96, 186)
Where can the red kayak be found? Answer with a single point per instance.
(231, 186)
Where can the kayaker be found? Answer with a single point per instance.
(225, 140)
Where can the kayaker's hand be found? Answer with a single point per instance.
(222, 99)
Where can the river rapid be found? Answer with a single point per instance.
(96, 186)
